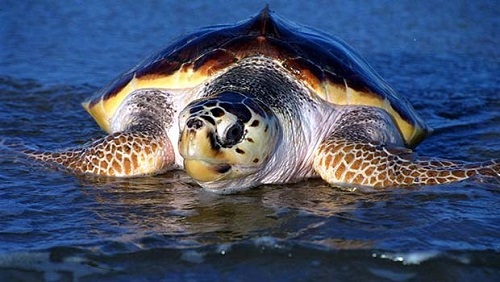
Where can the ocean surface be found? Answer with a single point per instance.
(442, 55)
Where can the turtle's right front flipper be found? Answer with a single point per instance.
(365, 150)
(139, 143)
(373, 164)
(118, 154)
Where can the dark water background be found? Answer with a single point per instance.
(443, 55)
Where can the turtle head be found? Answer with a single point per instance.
(225, 137)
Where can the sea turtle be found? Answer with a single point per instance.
(261, 101)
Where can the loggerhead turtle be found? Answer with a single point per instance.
(261, 101)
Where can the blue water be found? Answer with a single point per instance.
(443, 56)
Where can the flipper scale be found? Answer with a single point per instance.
(118, 154)
(378, 166)
(353, 155)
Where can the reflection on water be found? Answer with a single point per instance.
(164, 224)
(309, 212)
(173, 205)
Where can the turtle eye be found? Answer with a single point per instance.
(233, 134)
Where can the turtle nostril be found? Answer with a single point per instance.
(194, 123)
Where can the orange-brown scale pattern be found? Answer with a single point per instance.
(368, 164)
(119, 154)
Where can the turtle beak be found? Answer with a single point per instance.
(203, 159)
(204, 171)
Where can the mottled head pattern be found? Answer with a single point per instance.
(229, 135)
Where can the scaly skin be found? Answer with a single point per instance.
(118, 154)
(365, 150)
(369, 164)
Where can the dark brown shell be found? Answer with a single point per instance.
(332, 69)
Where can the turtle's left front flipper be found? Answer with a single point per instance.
(120, 154)
(139, 143)
(365, 150)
